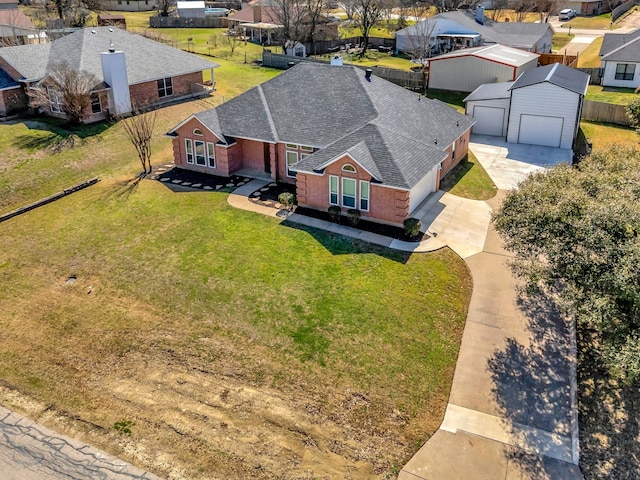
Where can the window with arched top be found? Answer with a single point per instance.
(198, 132)
(349, 168)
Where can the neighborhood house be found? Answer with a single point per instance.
(128, 70)
(620, 59)
(343, 136)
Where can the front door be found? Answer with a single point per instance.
(267, 157)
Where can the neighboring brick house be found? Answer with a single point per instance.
(342, 136)
(130, 71)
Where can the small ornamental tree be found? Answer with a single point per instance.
(633, 112)
(139, 130)
(412, 227)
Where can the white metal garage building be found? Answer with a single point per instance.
(542, 107)
(465, 70)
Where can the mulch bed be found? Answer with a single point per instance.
(171, 175)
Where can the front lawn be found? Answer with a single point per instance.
(617, 96)
(560, 40)
(590, 56)
(597, 22)
(235, 345)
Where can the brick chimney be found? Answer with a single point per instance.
(257, 14)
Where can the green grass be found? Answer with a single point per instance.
(604, 135)
(373, 58)
(589, 57)
(469, 180)
(617, 96)
(453, 99)
(386, 29)
(597, 22)
(560, 40)
(512, 16)
(185, 279)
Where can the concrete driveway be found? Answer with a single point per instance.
(508, 163)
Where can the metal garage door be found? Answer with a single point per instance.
(540, 130)
(489, 120)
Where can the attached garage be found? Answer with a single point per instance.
(543, 106)
(422, 190)
(489, 107)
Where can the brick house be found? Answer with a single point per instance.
(342, 136)
(129, 71)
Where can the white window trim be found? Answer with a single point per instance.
(368, 199)
(337, 192)
(204, 152)
(295, 152)
(355, 196)
(96, 95)
(211, 160)
(348, 168)
(164, 86)
(56, 103)
(197, 132)
(189, 143)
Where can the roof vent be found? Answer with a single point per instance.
(93, 31)
(367, 74)
(112, 47)
(111, 29)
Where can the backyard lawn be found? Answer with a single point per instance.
(590, 58)
(603, 135)
(617, 96)
(234, 346)
(469, 180)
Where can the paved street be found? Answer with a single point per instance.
(29, 451)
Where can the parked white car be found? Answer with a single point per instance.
(567, 14)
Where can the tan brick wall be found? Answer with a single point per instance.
(462, 148)
(387, 205)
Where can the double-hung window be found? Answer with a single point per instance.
(96, 106)
(56, 101)
(348, 192)
(333, 190)
(188, 147)
(200, 153)
(625, 71)
(165, 87)
(364, 195)
(211, 154)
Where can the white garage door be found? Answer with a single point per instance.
(424, 187)
(540, 130)
(489, 120)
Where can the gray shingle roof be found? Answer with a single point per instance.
(556, 73)
(397, 135)
(146, 59)
(520, 34)
(29, 60)
(490, 91)
(621, 46)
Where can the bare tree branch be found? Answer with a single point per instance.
(139, 129)
(368, 14)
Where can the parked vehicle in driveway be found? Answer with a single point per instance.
(567, 14)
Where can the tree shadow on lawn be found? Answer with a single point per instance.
(57, 136)
(531, 385)
(338, 244)
(124, 189)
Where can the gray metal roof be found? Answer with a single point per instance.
(623, 47)
(490, 91)
(557, 74)
(515, 34)
(495, 53)
(395, 134)
(146, 59)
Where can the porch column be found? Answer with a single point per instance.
(273, 158)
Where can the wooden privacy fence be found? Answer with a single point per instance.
(620, 10)
(595, 74)
(549, 58)
(412, 80)
(605, 112)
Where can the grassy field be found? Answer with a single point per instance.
(227, 339)
(453, 99)
(511, 16)
(617, 96)
(560, 40)
(589, 57)
(469, 180)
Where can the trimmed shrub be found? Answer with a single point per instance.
(412, 227)
(287, 200)
(354, 216)
(334, 212)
